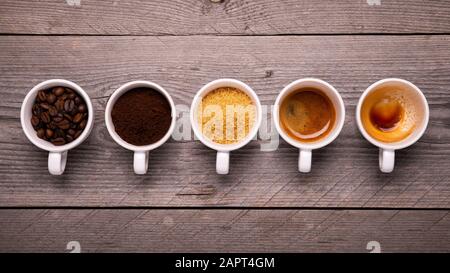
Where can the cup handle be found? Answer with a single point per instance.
(140, 162)
(223, 162)
(387, 160)
(57, 162)
(304, 161)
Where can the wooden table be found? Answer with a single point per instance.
(264, 204)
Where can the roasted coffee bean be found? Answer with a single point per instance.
(83, 124)
(78, 117)
(59, 115)
(34, 121)
(63, 124)
(52, 111)
(41, 133)
(49, 133)
(82, 108)
(69, 138)
(44, 105)
(51, 98)
(68, 117)
(41, 96)
(69, 105)
(58, 91)
(77, 134)
(59, 104)
(58, 141)
(45, 117)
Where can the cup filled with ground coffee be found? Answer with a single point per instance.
(392, 114)
(140, 116)
(308, 114)
(57, 116)
(225, 115)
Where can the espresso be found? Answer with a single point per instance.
(389, 114)
(307, 115)
(142, 116)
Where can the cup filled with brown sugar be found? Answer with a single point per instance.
(56, 116)
(140, 116)
(225, 115)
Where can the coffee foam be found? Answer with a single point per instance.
(410, 113)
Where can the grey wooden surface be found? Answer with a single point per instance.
(182, 45)
(215, 230)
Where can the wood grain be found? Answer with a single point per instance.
(231, 17)
(224, 230)
(181, 173)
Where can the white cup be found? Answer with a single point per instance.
(57, 156)
(305, 156)
(140, 161)
(223, 150)
(387, 150)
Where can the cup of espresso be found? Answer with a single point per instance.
(308, 114)
(140, 116)
(57, 116)
(392, 114)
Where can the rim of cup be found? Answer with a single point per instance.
(411, 139)
(26, 113)
(225, 83)
(113, 99)
(311, 82)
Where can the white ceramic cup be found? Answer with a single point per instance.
(305, 156)
(223, 150)
(387, 150)
(57, 156)
(140, 161)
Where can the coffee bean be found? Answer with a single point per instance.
(41, 96)
(58, 91)
(59, 104)
(63, 124)
(40, 133)
(69, 138)
(77, 134)
(82, 108)
(78, 117)
(58, 141)
(45, 117)
(44, 105)
(68, 117)
(35, 121)
(52, 111)
(49, 133)
(69, 105)
(51, 98)
(71, 132)
(77, 100)
(57, 119)
(71, 96)
(83, 124)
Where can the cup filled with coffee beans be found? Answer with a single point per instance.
(56, 116)
(140, 116)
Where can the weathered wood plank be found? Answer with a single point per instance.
(182, 173)
(224, 230)
(231, 17)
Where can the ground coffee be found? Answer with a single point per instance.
(141, 116)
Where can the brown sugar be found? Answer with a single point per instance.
(226, 115)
